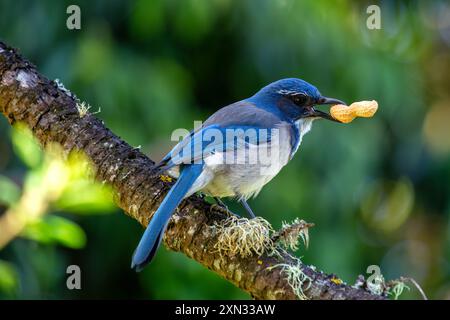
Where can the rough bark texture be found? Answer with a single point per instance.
(52, 115)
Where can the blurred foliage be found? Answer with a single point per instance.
(9, 283)
(378, 190)
(54, 229)
(52, 182)
(10, 191)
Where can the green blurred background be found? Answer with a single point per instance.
(378, 190)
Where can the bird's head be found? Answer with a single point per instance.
(297, 99)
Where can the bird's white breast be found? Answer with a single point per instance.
(303, 127)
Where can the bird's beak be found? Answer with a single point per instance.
(325, 100)
(324, 115)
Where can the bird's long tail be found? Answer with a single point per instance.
(150, 241)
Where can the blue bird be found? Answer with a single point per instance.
(237, 150)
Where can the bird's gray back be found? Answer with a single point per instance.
(243, 113)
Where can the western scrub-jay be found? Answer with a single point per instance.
(237, 150)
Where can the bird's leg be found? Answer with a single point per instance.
(247, 207)
(220, 203)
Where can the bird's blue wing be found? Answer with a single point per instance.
(189, 150)
(230, 128)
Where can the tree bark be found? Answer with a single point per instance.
(52, 115)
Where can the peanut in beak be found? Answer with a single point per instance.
(346, 114)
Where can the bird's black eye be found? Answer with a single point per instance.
(300, 99)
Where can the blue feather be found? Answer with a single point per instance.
(152, 237)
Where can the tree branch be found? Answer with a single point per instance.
(52, 114)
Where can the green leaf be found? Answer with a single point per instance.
(26, 146)
(9, 279)
(54, 229)
(86, 197)
(9, 191)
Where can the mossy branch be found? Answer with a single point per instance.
(53, 115)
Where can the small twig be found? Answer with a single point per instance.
(419, 288)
